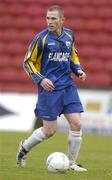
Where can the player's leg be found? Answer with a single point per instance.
(72, 111)
(48, 107)
(75, 136)
(74, 139)
(38, 136)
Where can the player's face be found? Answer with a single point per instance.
(54, 21)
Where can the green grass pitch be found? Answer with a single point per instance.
(95, 155)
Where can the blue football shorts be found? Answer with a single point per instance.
(52, 104)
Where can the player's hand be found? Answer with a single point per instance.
(47, 84)
(82, 75)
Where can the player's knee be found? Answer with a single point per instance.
(76, 125)
(50, 132)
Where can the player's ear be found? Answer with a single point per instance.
(63, 20)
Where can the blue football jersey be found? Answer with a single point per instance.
(53, 57)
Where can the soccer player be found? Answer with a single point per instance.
(49, 61)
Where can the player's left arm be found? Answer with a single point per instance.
(75, 64)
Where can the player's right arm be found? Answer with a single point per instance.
(47, 84)
(32, 64)
(32, 60)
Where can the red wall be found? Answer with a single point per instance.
(91, 20)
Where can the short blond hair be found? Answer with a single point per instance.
(57, 8)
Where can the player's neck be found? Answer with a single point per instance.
(58, 32)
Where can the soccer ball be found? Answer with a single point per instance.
(57, 162)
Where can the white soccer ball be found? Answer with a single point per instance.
(57, 162)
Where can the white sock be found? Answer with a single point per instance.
(37, 137)
(74, 143)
